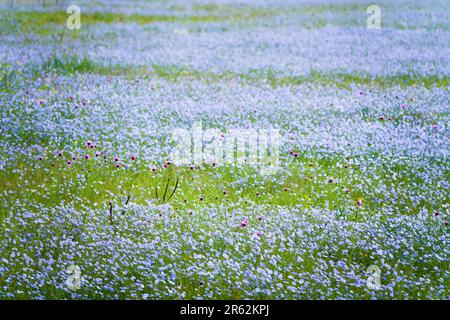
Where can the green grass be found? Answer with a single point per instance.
(311, 16)
(95, 180)
(70, 64)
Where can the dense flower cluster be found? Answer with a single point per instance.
(86, 177)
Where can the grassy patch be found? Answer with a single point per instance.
(97, 180)
(71, 64)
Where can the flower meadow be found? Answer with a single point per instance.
(87, 181)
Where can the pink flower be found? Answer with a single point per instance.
(69, 163)
(359, 202)
(133, 157)
(86, 156)
(244, 224)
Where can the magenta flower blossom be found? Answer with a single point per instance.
(244, 224)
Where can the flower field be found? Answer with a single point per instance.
(93, 206)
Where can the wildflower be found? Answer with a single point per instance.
(244, 224)
(133, 157)
(86, 156)
(446, 222)
(359, 202)
(69, 163)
